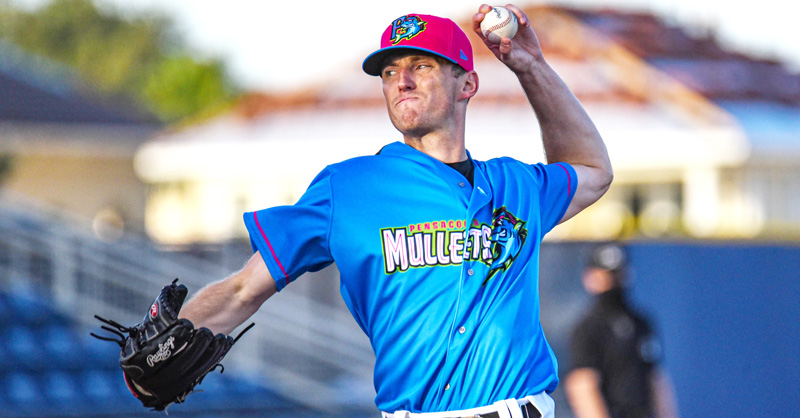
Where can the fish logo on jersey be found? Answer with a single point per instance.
(508, 236)
(406, 27)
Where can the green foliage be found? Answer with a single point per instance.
(180, 86)
(135, 57)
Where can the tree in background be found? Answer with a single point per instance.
(139, 57)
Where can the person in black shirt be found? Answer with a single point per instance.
(614, 350)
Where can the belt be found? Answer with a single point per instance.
(528, 411)
(501, 409)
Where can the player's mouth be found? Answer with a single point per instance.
(405, 99)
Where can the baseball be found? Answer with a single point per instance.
(498, 24)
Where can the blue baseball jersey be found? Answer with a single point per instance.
(442, 276)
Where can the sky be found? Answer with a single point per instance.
(280, 46)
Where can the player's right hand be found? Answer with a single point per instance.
(522, 52)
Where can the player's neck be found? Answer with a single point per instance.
(445, 148)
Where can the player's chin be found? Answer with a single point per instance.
(408, 121)
(415, 127)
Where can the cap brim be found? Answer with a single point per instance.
(373, 64)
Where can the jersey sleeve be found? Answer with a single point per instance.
(293, 240)
(557, 185)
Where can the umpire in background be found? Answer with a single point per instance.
(614, 350)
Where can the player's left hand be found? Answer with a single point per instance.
(519, 53)
(163, 357)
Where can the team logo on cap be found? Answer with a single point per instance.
(406, 27)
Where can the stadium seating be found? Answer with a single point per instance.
(50, 367)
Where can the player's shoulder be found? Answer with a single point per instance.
(504, 161)
(360, 164)
(391, 154)
(511, 161)
(509, 165)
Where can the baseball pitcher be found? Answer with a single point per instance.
(438, 251)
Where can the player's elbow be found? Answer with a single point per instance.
(594, 182)
(605, 178)
(599, 173)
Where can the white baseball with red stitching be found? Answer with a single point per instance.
(498, 24)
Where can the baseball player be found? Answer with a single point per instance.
(438, 252)
(615, 352)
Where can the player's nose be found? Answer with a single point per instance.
(405, 80)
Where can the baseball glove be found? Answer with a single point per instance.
(163, 358)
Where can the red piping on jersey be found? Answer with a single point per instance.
(569, 178)
(258, 224)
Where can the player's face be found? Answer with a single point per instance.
(421, 93)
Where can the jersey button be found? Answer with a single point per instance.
(447, 387)
(460, 184)
(470, 272)
(462, 330)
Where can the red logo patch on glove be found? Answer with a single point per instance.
(154, 310)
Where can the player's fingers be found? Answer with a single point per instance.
(478, 18)
(476, 22)
(522, 18)
(527, 38)
(505, 48)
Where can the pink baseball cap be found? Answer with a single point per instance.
(432, 34)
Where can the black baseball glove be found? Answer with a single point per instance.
(163, 358)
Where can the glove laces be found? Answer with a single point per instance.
(118, 330)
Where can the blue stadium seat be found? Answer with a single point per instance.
(248, 394)
(242, 390)
(209, 394)
(24, 348)
(214, 382)
(62, 347)
(27, 308)
(105, 390)
(22, 388)
(7, 409)
(6, 361)
(99, 354)
(62, 388)
(99, 385)
(5, 310)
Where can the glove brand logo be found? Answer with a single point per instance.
(154, 310)
(163, 352)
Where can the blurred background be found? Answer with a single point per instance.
(133, 135)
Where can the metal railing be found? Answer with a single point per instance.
(307, 350)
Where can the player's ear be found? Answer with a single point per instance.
(470, 86)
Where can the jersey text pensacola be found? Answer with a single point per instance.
(437, 243)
